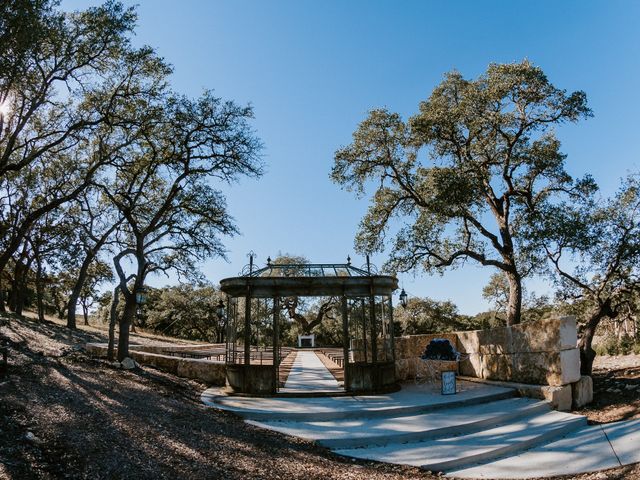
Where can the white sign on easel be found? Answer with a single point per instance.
(448, 383)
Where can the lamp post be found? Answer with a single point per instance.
(141, 299)
(403, 298)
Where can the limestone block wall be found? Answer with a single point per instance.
(408, 350)
(208, 371)
(542, 352)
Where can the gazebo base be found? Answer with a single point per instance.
(371, 378)
(252, 379)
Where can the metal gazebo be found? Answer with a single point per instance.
(253, 343)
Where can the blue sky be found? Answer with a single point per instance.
(312, 70)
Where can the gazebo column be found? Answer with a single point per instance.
(364, 332)
(391, 332)
(374, 335)
(247, 327)
(276, 334)
(345, 339)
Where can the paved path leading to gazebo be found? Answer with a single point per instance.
(481, 432)
(308, 374)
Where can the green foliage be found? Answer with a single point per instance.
(495, 162)
(608, 346)
(612, 345)
(424, 315)
(184, 311)
(602, 237)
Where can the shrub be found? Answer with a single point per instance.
(626, 345)
(608, 346)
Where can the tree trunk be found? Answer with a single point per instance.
(15, 282)
(587, 353)
(39, 290)
(113, 316)
(85, 313)
(82, 275)
(124, 325)
(20, 283)
(77, 288)
(514, 309)
(3, 297)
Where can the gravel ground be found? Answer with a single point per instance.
(616, 390)
(66, 415)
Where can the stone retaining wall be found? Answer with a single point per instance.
(208, 371)
(543, 352)
(531, 354)
(408, 351)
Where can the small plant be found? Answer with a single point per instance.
(626, 345)
(608, 346)
(611, 345)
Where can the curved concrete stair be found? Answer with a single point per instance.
(399, 404)
(481, 432)
(455, 452)
(379, 431)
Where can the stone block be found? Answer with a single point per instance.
(546, 335)
(468, 342)
(128, 363)
(497, 367)
(402, 369)
(401, 347)
(582, 391)
(494, 341)
(570, 366)
(542, 368)
(558, 397)
(568, 333)
(95, 349)
(431, 369)
(472, 366)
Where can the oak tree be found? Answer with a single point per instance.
(465, 173)
(594, 248)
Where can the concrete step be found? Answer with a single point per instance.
(408, 401)
(364, 432)
(463, 450)
(588, 449)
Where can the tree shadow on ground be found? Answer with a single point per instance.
(94, 421)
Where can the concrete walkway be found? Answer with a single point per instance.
(588, 449)
(308, 374)
(483, 431)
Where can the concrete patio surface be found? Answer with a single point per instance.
(411, 399)
(587, 449)
(308, 374)
(483, 431)
(362, 432)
